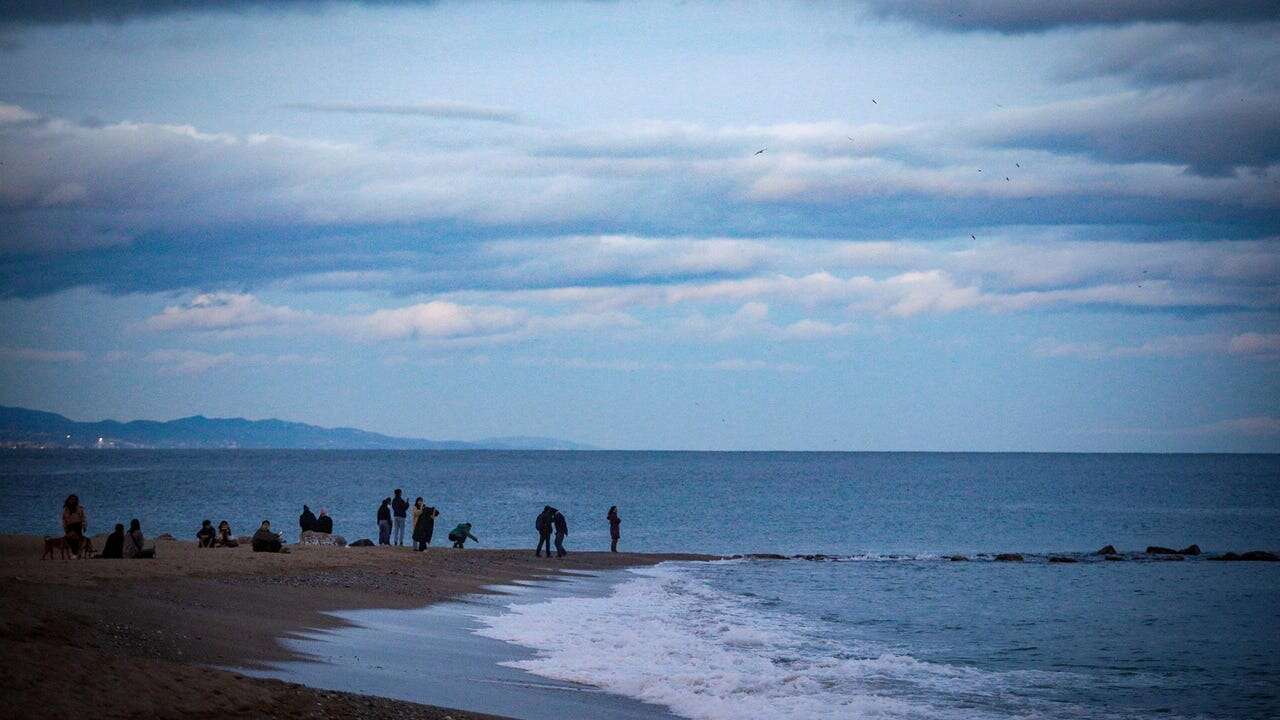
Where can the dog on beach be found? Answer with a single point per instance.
(64, 549)
(56, 543)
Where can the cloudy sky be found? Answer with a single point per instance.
(982, 225)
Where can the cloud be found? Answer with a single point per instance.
(440, 109)
(38, 355)
(224, 311)
(1255, 346)
(1173, 54)
(196, 362)
(436, 319)
(1019, 16)
(59, 12)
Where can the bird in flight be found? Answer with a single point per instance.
(761, 150)
(1017, 165)
(971, 237)
(873, 101)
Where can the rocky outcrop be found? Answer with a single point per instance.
(765, 556)
(311, 537)
(1251, 556)
(1190, 550)
(1009, 557)
(957, 558)
(363, 542)
(1158, 550)
(1062, 559)
(164, 536)
(1114, 558)
(1107, 550)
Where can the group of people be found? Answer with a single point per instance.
(393, 514)
(310, 523)
(208, 537)
(119, 544)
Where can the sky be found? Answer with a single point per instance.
(876, 225)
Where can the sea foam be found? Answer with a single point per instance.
(667, 637)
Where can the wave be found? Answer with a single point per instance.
(666, 637)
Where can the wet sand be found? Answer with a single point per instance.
(140, 638)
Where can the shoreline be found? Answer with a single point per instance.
(126, 638)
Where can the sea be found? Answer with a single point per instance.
(843, 601)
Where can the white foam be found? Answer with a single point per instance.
(667, 638)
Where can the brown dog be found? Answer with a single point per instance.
(56, 543)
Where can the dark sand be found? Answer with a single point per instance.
(138, 638)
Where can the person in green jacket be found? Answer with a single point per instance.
(460, 534)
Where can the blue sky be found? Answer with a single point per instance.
(974, 226)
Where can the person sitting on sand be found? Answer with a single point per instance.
(113, 549)
(266, 541)
(74, 523)
(206, 534)
(424, 525)
(324, 523)
(225, 539)
(543, 526)
(135, 544)
(615, 528)
(384, 522)
(460, 534)
(307, 521)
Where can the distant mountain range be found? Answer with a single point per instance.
(20, 427)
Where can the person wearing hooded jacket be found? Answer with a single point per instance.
(460, 534)
(424, 525)
(324, 523)
(307, 521)
(543, 526)
(615, 528)
(384, 522)
(562, 529)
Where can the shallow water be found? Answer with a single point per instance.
(888, 630)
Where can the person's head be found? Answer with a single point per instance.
(266, 525)
(71, 503)
(134, 525)
(386, 501)
(206, 524)
(613, 509)
(224, 526)
(466, 526)
(546, 508)
(417, 503)
(306, 509)
(120, 528)
(323, 512)
(397, 492)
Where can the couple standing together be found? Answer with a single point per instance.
(392, 517)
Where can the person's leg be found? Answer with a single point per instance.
(397, 524)
(542, 539)
(613, 546)
(560, 545)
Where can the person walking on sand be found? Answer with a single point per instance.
(306, 520)
(615, 528)
(460, 534)
(424, 524)
(399, 507)
(543, 525)
(384, 522)
(74, 523)
(562, 529)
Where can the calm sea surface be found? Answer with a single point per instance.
(888, 630)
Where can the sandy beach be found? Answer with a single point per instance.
(142, 638)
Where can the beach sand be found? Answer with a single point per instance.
(140, 638)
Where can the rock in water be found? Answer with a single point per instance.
(311, 537)
(1190, 550)
(363, 542)
(1107, 550)
(1114, 558)
(1157, 550)
(957, 558)
(1252, 555)
(1008, 557)
(1062, 559)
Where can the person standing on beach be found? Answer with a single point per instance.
(74, 523)
(543, 526)
(399, 507)
(424, 524)
(113, 549)
(615, 528)
(562, 529)
(324, 523)
(384, 522)
(306, 520)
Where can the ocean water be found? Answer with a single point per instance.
(884, 627)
